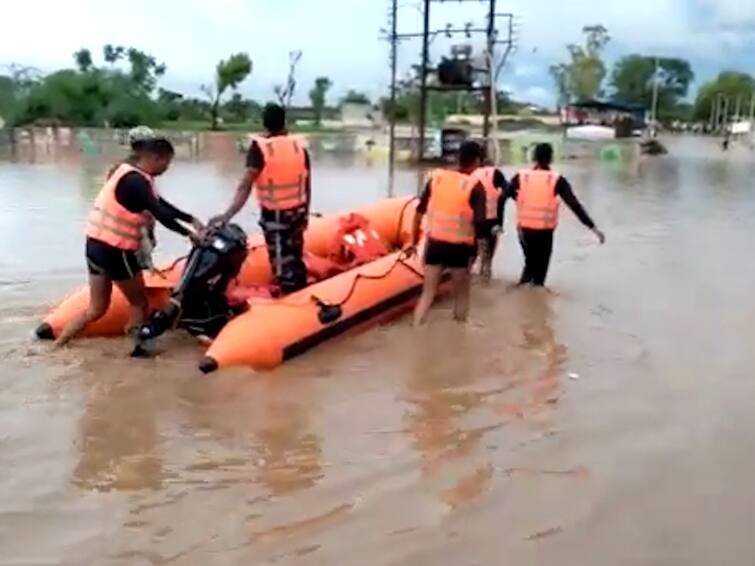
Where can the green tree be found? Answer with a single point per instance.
(355, 97)
(318, 96)
(8, 100)
(728, 84)
(112, 54)
(634, 75)
(92, 96)
(170, 104)
(144, 69)
(240, 109)
(83, 58)
(581, 77)
(229, 73)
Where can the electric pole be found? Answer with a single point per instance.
(423, 81)
(392, 118)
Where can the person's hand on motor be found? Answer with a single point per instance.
(218, 219)
(196, 236)
(196, 223)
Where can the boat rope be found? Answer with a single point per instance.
(400, 260)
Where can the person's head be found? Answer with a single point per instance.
(274, 118)
(470, 156)
(543, 155)
(152, 155)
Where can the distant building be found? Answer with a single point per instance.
(609, 114)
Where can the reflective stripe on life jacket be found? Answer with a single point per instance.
(449, 216)
(112, 223)
(536, 202)
(283, 180)
(486, 176)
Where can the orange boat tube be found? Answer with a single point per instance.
(274, 330)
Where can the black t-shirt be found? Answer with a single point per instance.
(133, 192)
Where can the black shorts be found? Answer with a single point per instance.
(449, 255)
(114, 263)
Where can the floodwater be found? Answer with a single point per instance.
(609, 422)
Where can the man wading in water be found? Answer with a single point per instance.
(537, 192)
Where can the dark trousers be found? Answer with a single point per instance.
(537, 246)
(284, 237)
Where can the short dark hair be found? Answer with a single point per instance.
(274, 117)
(543, 154)
(159, 146)
(469, 152)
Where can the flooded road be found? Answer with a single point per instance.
(609, 422)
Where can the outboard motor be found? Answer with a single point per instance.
(199, 304)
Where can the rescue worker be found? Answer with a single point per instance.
(454, 202)
(279, 167)
(122, 211)
(493, 181)
(537, 192)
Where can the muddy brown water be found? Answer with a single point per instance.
(449, 445)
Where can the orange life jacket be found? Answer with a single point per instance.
(112, 223)
(357, 242)
(536, 202)
(449, 216)
(486, 175)
(282, 183)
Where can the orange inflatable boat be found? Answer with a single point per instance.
(273, 330)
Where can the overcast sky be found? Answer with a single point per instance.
(341, 38)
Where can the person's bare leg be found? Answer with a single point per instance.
(429, 290)
(133, 290)
(461, 281)
(100, 291)
(492, 246)
(482, 257)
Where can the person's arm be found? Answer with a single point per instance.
(512, 189)
(477, 201)
(424, 200)
(163, 213)
(134, 193)
(564, 190)
(255, 161)
(308, 165)
(499, 181)
(176, 212)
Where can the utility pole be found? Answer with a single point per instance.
(654, 106)
(726, 113)
(423, 81)
(488, 91)
(738, 108)
(392, 123)
(711, 120)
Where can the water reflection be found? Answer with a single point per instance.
(119, 443)
(444, 419)
(268, 424)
